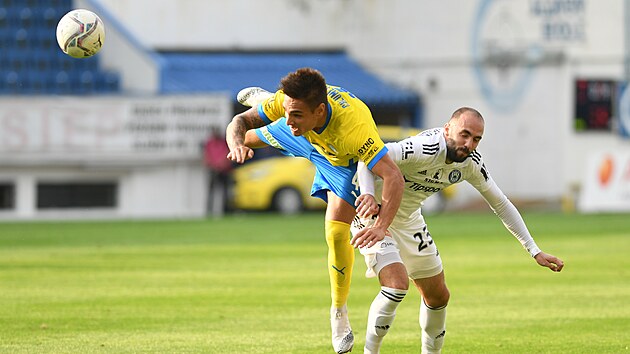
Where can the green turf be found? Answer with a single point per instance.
(249, 284)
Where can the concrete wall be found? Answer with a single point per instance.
(149, 147)
(514, 60)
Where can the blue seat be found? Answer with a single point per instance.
(4, 19)
(25, 18)
(107, 82)
(60, 82)
(13, 82)
(35, 82)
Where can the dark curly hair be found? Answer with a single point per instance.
(305, 84)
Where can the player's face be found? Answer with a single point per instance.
(300, 117)
(462, 136)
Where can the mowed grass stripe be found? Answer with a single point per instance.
(258, 284)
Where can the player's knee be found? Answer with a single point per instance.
(394, 276)
(438, 299)
(399, 281)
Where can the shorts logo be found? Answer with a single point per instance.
(387, 244)
(454, 176)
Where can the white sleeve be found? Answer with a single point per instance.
(510, 217)
(365, 178)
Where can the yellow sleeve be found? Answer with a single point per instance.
(271, 109)
(369, 145)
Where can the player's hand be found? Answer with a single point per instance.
(366, 206)
(547, 260)
(368, 237)
(240, 154)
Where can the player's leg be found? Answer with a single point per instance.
(339, 214)
(382, 260)
(435, 296)
(424, 266)
(394, 285)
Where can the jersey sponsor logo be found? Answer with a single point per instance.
(437, 174)
(454, 176)
(366, 145)
(430, 149)
(417, 187)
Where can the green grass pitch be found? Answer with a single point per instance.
(259, 284)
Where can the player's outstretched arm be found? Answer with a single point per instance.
(236, 132)
(550, 261)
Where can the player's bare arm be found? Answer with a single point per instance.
(253, 141)
(393, 184)
(236, 131)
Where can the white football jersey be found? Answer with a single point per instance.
(422, 161)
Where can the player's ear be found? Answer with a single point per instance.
(447, 127)
(321, 109)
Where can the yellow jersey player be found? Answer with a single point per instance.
(341, 128)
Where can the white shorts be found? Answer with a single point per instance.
(409, 242)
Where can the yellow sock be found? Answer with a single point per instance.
(340, 261)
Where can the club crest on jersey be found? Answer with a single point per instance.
(454, 176)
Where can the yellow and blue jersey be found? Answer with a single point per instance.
(338, 179)
(349, 134)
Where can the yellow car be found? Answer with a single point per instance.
(284, 183)
(276, 183)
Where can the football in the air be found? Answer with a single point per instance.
(80, 33)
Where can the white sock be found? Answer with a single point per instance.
(433, 325)
(381, 317)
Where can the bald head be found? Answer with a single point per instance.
(463, 132)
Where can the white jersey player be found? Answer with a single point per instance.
(429, 161)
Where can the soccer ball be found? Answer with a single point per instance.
(80, 33)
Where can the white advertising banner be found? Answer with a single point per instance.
(606, 186)
(84, 127)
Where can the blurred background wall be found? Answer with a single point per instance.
(549, 76)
